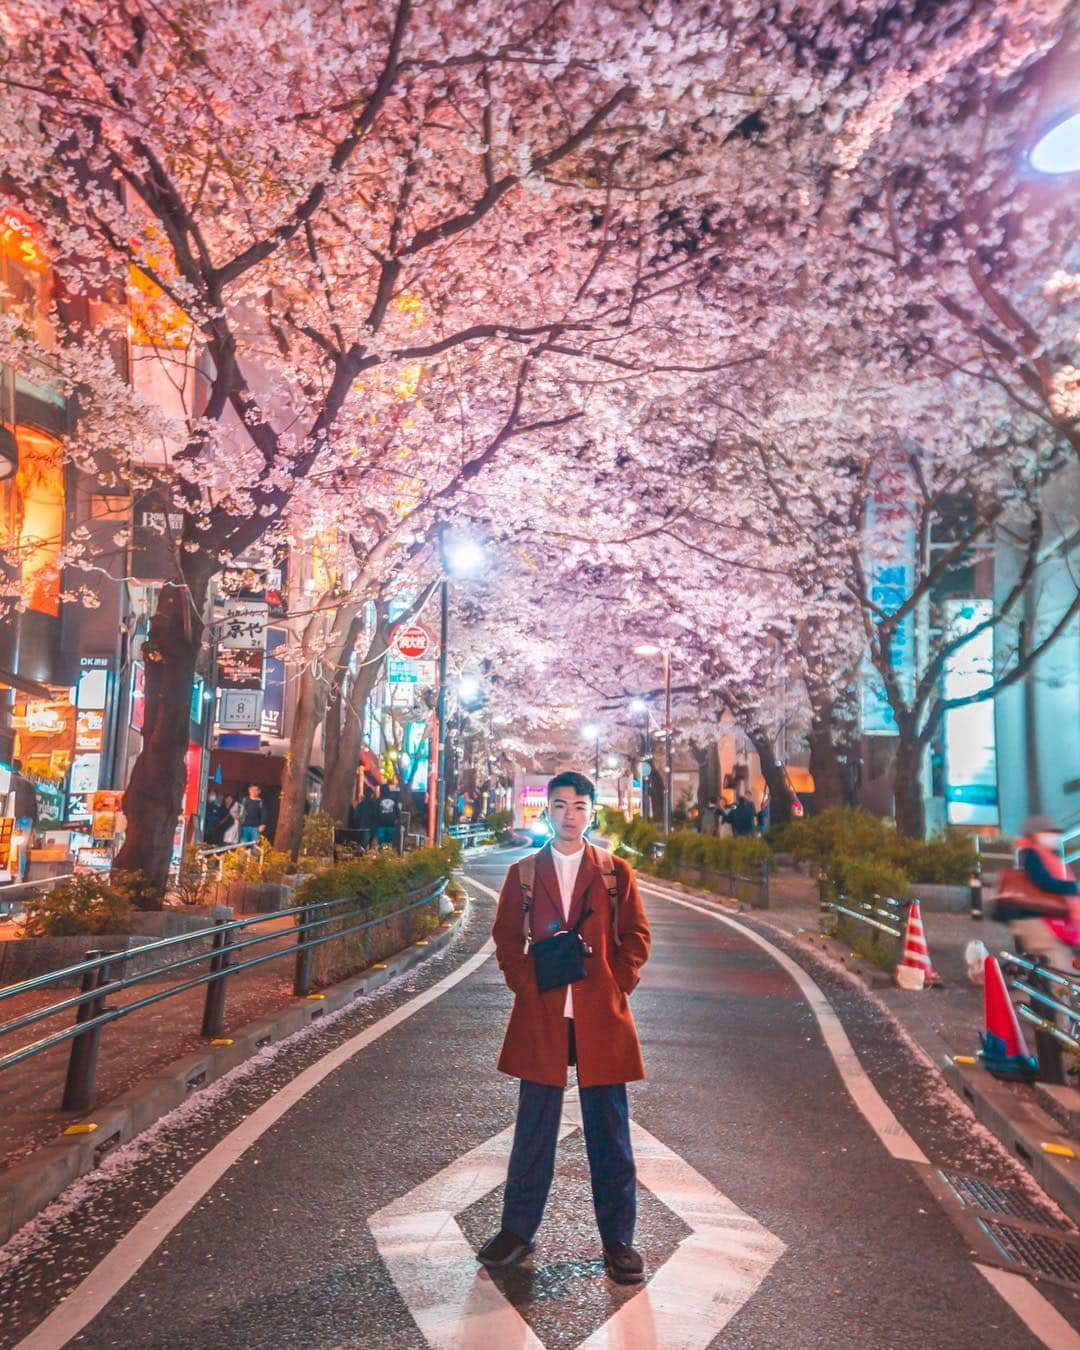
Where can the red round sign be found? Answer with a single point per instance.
(412, 641)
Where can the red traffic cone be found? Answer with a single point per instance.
(1004, 1051)
(916, 953)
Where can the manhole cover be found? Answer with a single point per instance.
(1042, 1253)
(1000, 1200)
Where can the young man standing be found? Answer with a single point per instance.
(586, 1023)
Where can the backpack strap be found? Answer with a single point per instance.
(526, 873)
(607, 871)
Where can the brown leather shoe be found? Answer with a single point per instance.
(623, 1264)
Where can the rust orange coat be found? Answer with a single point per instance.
(606, 1040)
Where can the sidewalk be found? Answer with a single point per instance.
(943, 1020)
(131, 1049)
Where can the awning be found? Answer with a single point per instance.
(9, 680)
(801, 780)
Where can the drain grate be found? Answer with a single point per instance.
(1042, 1253)
(1000, 1200)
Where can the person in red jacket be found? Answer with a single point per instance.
(586, 1023)
(1046, 918)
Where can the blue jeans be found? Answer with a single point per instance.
(249, 834)
(605, 1115)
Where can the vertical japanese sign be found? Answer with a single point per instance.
(890, 571)
(971, 796)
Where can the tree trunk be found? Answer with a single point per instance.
(336, 710)
(312, 696)
(155, 794)
(832, 738)
(909, 806)
(341, 774)
(773, 773)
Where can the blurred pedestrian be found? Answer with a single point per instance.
(1040, 901)
(742, 818)
(253, 816)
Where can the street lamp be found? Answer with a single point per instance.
(460, 558)
(1058, 149)
(663, 650)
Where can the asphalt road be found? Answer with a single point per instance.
(771, 1211)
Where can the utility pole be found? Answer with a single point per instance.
(440, 712)
(667, 740)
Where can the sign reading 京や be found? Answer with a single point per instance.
(244, 625)
(412, 642)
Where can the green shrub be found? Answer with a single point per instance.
(81, 904)
(261, 863)
(688, 848)
(946, 859)
(610, 822)
(498, 822)
(863, 879)
(637, 839)
(846, 832)
(317, 838)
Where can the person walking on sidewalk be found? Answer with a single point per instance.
(570, 887)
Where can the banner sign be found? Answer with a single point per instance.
(240, 669)
(890, 569)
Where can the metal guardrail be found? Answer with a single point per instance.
(1070, 845)
(883, 919)
(219, 854)
(12, 897)
(93, 1015)
(468, 836)
(1053, 1009)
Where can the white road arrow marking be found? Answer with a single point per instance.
(692, 1297)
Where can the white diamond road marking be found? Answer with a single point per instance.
(686, 1302)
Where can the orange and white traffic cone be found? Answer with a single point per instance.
(1004, 1051)
(915, 970)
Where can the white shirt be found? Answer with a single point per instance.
(566, 872)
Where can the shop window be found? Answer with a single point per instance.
(36, 517)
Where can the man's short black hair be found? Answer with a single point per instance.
(583, 786)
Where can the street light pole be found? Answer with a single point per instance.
(596, 776)
(440, 711)
(667, 740)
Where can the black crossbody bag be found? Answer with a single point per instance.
(560, 959)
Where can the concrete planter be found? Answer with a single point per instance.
(23, 958)
(253, 897)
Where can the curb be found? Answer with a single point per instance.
(30, 1185)
(1024, 1129)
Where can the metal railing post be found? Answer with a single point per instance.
(82, 1062)
(302, 975)
(975, 892)
(1047, 1046)
(213, 1022)
(763, 884)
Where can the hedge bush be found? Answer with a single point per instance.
(688, 848)
(378, 883)
(637, 839)
(852, 833)
(86, 904)
(862, 879)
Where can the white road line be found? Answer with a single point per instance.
(1037, 1312)
(1031, 1307)
(854, 1077)
(110, 1275)
(687, 1302)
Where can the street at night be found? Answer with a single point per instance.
(788, 1207)
(539, 674)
